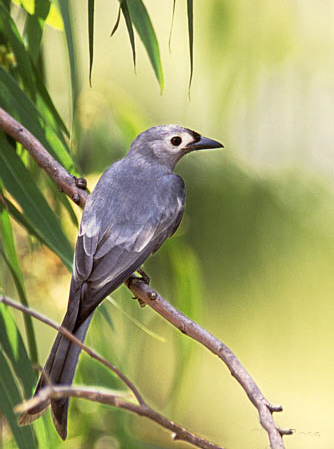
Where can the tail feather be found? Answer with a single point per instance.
(60, 367)
(59, 407)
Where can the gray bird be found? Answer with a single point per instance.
(136, 205)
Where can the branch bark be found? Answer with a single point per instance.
(151, 297)
(104, 396)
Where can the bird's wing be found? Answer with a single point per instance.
(119, 232)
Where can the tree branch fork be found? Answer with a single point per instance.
(147, 295)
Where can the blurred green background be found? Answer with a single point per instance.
(253, 260)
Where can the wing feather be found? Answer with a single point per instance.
(116, 231)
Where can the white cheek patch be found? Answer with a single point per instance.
(186, 139)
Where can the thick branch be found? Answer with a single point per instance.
(54, 169)
(104, 397)
(150, 296)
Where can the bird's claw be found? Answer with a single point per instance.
(144, 276)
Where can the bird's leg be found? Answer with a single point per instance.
(144, 276)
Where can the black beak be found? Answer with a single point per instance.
(204, 144)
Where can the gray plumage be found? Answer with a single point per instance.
(136, 205)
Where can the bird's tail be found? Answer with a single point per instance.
(60, 368)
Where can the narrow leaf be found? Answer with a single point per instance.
(65, 13)
(171, 27)
(58, 122)
(11, 259)
(12, 344)
(91, 6)
(23, 69)
(34, 26)
(128, 21)
(21, 186)
(190, 11)
(21, 219)
(137, 323)
(16, 102)
(143, 25)
(9, 397)
(117, 22)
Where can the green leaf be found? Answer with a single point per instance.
(126, 14)
(16, 102)
(190, 11)
(65, 13)
(12, 344)
(10, 256)
(23, 69)
(21, 186)
(171, 26)
(21, 219)
(45, 97)
(34, 25)
(91, 7)
(143, 25)
(9, 397)
(137, 323)
(117, 22)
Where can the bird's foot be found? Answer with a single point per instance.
(81, 183)
(144, 276)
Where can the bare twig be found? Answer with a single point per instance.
(188, 327)
(145, 293)
(103, 396)
(106, 397)
(76, 341)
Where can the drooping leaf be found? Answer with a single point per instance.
(65, 13)
(16, 102)
(10, 397)
(12, 344)
(91, 8)
(117, 22)
(190, 11)
(21, 219)
(142, 22)
(171, 26)
(54, 18)
(34, 25)
(137, 323)
(10, 256)
(54, 115)
(128, 21)
(23, 69)
(21, 186)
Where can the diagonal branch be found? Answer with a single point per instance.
(103, 396)
(150, 296)
(94, 355)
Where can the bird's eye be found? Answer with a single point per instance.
(176, 141)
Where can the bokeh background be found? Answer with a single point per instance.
(253, 260)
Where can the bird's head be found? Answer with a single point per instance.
(168, 143)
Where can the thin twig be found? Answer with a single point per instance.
(188, 327)
(105, 397)
(150, 296)
(76, 341)
(102, 396)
